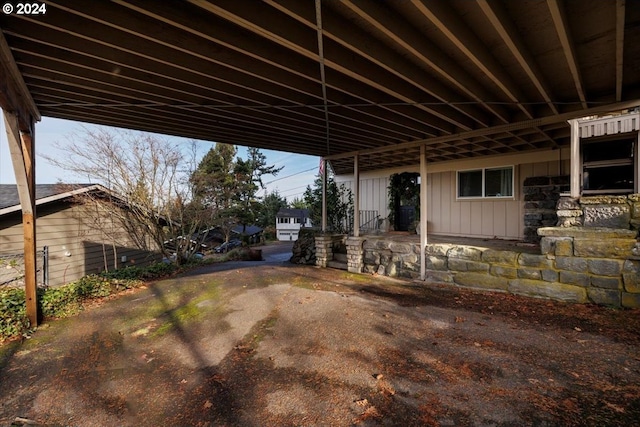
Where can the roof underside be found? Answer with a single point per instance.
(331, 78)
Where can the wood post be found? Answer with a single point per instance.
(22, 149)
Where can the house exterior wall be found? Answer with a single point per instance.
(290, 229)
(446, 215)
(76, 246)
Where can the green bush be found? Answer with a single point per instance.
(67, 300)
(13, 314)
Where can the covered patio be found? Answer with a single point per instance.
(366, 85)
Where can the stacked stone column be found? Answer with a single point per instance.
(355, 254)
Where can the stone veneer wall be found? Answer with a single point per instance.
(576, 264)
(621, 211)
(324, 247)
(541, 195)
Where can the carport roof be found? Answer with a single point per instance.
(331, 77)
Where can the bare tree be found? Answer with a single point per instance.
(147, 182)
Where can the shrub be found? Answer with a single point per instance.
(67, 300)
(13, 314)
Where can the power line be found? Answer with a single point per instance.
(289, 176)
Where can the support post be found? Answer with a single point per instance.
(356, 197)
(575, 159)
(423, 211)
(324, 194)
(22, 149)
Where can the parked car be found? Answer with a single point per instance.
(227, 246)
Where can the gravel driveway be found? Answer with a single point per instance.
(267, 343)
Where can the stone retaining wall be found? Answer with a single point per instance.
(576, 264)
(541, 195)
(622, 211)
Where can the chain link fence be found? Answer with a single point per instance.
(12, 269)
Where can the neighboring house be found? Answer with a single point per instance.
(80, 240)
(290, 221)
(252, 233)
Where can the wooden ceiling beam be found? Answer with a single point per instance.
(620, 14)
(14, 93)
(501, 23)
(443, 17)
(341, 31)
(422, 50)
(562, 29)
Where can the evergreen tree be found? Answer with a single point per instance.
(339, 205)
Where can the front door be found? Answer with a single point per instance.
(406, 215)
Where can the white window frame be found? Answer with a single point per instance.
(483, 195)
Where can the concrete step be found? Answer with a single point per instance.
(340, 257)
(337, 265)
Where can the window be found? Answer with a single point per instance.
(608, 166)
(489, 182)
(298, 220)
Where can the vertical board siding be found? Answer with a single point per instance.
(446, 215)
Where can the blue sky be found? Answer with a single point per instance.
(299, 170)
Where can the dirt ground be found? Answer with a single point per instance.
(272, 344)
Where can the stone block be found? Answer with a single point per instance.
(568, 203)
(392, 269)
(479, 280)
(603, 200)
(603, 247)
(606, 282)
(456, 264)
(549, 275)
(409, 257)
(631, 276)
(574, 278)
(502, 271)
(369, 269)
(403, 248)
(370, 244)
(605, 267)
(587, 233)
(371, 257)
(552, 290)
(438, 249)
(633, 197)
(529, 273)
(410, 266)
(569, 222)
(611, 216)
(382, 244)
(532, 218)
(465, 252)
(437, 262)
(605, 296)
(438, 276)
(571, 264)
(630, 300)
(569, 213)
(635, 210)
(534, 260)
(500, 257)
(564, 247)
